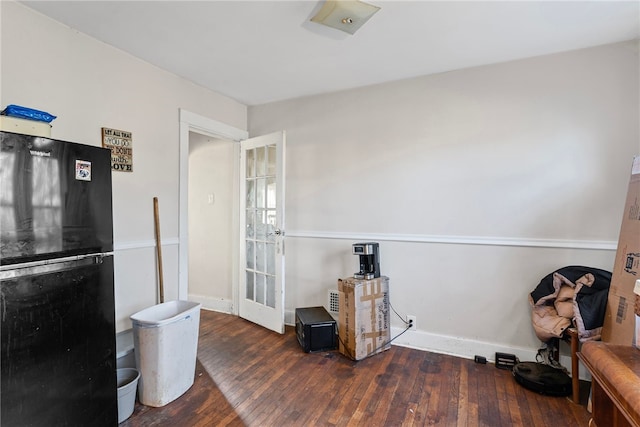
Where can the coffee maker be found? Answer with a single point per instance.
(369, 254)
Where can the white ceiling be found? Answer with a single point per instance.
(263, 51)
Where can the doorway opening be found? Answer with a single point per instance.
(227, 137)
(211, 218)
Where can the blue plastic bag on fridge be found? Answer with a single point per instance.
(27, 113)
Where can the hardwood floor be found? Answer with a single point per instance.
(248, 376)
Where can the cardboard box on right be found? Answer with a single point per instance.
(364, 325)
(619, 322)
(636, 291)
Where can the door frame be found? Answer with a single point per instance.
(192, 122)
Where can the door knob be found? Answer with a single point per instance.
(277, 232)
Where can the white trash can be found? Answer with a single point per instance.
(165, 338)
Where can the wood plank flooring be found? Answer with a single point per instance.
(248, 376)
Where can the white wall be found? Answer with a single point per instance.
(89, 85)
(477, 183)
(211, 234)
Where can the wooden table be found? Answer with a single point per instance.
(615, 370)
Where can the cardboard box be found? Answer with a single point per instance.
(619, 321)
(27, 127)
(364, 325)
(636, 309)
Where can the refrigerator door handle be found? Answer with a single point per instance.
(49, 266)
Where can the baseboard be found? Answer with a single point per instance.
(222, 305)
(466, 348)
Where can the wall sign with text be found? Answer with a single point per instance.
(120, 144)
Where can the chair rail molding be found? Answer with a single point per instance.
(459, 240)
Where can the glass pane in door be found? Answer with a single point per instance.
(261, 225)
(250, 255)
(271, 193)
(251, 223)
(260, 193)
(261, 161)
(260, 286)
(250, 292)
(260, 257)
(271, 161)
(271, 291)
(251, 164)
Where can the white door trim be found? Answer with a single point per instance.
(192, 122)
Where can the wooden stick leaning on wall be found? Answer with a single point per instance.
(156, 217)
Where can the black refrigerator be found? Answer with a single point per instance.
(57, 362)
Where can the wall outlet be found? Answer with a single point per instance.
(411, 321)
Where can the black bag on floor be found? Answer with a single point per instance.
(542, 378)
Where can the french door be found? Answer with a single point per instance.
(261, 283)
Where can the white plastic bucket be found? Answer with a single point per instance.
(165, 338)
(127, 386)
